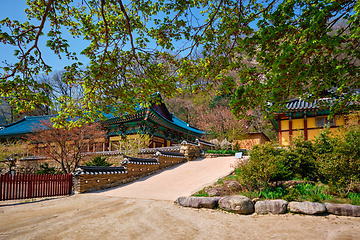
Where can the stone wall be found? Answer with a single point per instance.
(190, 151)
(89, 183)
(88, 179)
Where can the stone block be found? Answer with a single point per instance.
(237, 203)
(198, 202)
(343, 209)
(306, 207)
(271, 206)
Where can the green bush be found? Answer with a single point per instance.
(338, 157)
(99, 162)
(300, 160)
(266, 163)
(45, 169)
(292, 195)
(222, 151)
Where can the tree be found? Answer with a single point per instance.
(98, 161)
(220, 123)
(132, 144)
(10, 152)
(63, 145)
(304, 48)
(141, 47)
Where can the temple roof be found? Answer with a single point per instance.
(299, 104)
(25, 125)
(28, 124)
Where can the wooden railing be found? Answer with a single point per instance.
(20, 186)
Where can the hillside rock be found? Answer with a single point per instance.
(306, 207)
(198, 202)
(237, 203)
(271, 206)
(343, 209)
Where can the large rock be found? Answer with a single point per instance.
(271, 206)
(306, 207)
(237, 203)
(198, 202)
(343, 209)
(213, 191)
(232, 185)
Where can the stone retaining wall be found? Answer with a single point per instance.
(243, 205)
(88, 179)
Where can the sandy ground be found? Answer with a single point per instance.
(180, 180)
(102, 217)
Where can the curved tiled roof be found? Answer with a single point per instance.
(300, 104)
(24, 126)
(94, 170)
(28, 124)
(185, 125)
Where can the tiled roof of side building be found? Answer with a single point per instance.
(185, 125)
(300, 104)
(24, 126)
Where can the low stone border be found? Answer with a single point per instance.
(243, 205)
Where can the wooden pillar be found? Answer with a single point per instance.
(279, 124)
(290, 130)
(305, 128)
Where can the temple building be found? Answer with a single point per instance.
(301, 117)
(164, 128)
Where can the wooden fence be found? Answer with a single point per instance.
(20, 186)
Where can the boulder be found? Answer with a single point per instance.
(306, 207)
(213, 191)
(198, 202)
(232, 185)
(271, 206)
(343, 209)
(237, 203)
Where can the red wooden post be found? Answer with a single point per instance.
(15, 185)
(70, 183)
(305, 128)
(279, 124)
(290, 130)
(56, 185)
(1, 184)
(50, 185)
(37, 185)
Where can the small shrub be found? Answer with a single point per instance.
(201, 193)
(315, 198)
(45, 169)
(292, 195)
(99, 162)
(338, 156)
(266, 164)
(272, 193)
(354, 198)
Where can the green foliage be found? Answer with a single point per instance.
(132, 144)
(354, 198)
(315, 193)
(301, 47)
(266, 163)
(227, 151)
(338, 156)
(300, 160)
(292, 195)
(201, 193)
(99, 162)
(332, 158)
(45, 169)
(272, 193)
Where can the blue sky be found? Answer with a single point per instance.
(14, 9)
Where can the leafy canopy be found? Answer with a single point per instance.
(138, 47)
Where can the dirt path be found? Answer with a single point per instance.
(181, 180)
(103, 217)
